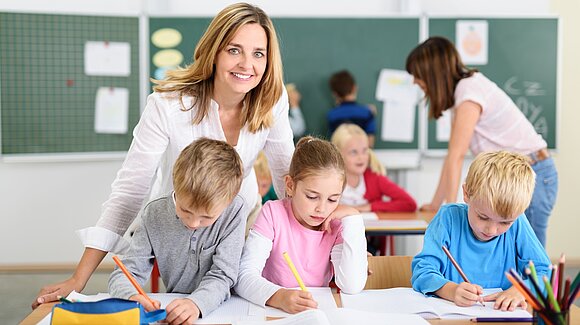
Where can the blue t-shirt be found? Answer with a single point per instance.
(351, 112)
(484, 263)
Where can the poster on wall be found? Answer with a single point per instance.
(471, 40)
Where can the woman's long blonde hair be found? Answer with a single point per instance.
(197, 79)
(346, 132)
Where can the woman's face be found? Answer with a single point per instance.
(241, 64)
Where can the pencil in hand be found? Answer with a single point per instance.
(132, 280)
(454, 262)
(294, 271)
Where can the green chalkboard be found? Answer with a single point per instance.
(523, 61)
(47, 101)
(313, 49)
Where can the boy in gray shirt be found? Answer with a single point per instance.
(196, 234)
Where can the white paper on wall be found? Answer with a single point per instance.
(112, 110)
(107, 59)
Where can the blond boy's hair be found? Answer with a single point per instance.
(345, 132)
(503, 180)
(207, 173)
(261, 166)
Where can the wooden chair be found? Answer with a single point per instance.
(389, 272)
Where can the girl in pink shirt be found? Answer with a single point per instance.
(322, 238)
(366, 181)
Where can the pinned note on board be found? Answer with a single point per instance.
(399, 95)
(107, 58)
(112, 110)
(471, 39)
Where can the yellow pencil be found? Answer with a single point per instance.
(293, 269)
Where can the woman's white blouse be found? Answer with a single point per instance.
(162, 132)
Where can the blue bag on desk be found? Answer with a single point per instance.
(108, 311)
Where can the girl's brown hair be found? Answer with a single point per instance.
(197, 79)
(437, 63)
(314, 155)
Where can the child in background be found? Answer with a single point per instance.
(196, 234)
(264, 178)
(320, 237)
(294, 113)
(344, 90)
(487, 236)
(367, 185)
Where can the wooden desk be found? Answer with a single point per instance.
(39, 313)
(388, 230)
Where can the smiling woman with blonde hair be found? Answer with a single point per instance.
(233, 91)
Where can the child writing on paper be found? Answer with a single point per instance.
(196, 234)
(487, 236)
(322, 238)
(366, 182)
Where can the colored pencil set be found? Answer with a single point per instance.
(554, 306)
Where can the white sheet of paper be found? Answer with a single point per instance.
(471, 39)
(107, 59)
(396, 85)
(323, 296)
(444, 127)
(398, 122)
(230, 311)
(112, 110)
(396, 224)
(408, 301)
(341, 316)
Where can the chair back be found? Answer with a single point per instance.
(389, 272)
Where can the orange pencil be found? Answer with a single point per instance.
(132, 279)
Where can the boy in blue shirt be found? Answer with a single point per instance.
(487, 236)
(344, 90)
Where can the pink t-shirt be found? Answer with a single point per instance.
(308, 249)
(501, 126)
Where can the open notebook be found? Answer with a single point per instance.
(408, 301)
(340, 316)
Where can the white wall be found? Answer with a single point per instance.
(41, 204)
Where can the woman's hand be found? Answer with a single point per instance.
(51, 292)
(292, 301)
(429, 207)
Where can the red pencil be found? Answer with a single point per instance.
(561, 276)
(132, 279)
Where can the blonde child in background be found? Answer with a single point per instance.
(295, 116)
(264, 178)
(487, 236)
(366, 182)
(322, 238)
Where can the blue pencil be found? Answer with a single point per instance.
(503, 319)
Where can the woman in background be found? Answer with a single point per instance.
(483, 119)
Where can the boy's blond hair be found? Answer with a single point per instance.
(345, 132)
(503, 180)
(207, 173)
(261, 166)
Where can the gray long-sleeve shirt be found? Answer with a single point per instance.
(203, 262)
